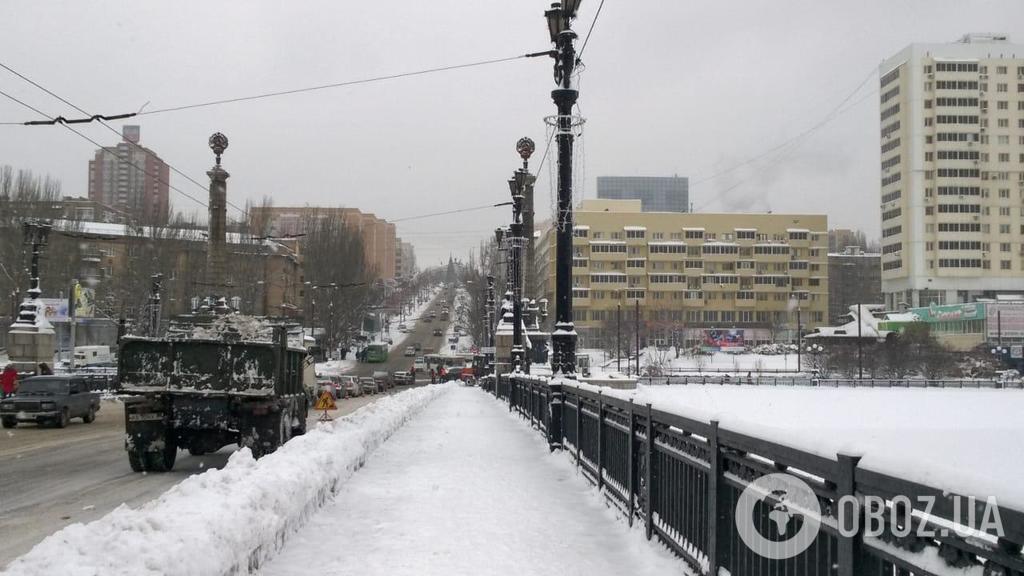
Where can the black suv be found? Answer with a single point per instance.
(55, 399)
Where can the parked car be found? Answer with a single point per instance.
(402, 378)
(438, 332)
(410, 351)
(325, 385)
(55, 399)
(403, 328)
(368, 385)
(383, 380)
(351, 385)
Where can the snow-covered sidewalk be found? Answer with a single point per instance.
(467, 488)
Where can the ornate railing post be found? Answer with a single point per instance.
(600, 441)
(649, 476)
(556, 405)
(631, 457)
(718, 512)
(846, 487)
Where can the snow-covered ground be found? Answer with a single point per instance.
(228, 520)
(964, 441)
(718, 362)
(466, 488)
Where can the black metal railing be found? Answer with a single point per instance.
(761, 380)
(683, 479)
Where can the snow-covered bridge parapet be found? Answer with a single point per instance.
(685, 479)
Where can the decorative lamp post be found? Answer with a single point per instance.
(517, 186)
(563, 337)
(216, 252)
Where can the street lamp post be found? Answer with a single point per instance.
(563, 337)
(517, 186)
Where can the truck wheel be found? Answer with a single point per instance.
(9, 422)
(62, 420)
(90, 416)
(137, 461)
(162, 460)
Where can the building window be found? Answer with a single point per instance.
(1004, 264)
(633, 234)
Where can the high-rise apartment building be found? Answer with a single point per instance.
(655, 193)
(131, 178)
(697, 277)
(952, 180)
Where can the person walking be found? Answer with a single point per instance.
(433, 376)
(8, 381)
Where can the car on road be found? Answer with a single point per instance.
(420, 364)
(326, 385)
(368, 385)
(383, 380)
(438, 332)
(351, 385)
(410, 351)
(417, 346)
(402, 378)
(403, 328)
(55, 399)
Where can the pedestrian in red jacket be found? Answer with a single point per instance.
(8, 381)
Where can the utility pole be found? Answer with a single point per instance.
(636, 327)
(72, 301)
(860, 344)
(618, 337)
(155, 305)
(799, 336)
(563, 337)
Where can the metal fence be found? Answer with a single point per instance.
(760, 380)
(683, 478)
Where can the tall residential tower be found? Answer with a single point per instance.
(131, 178)
(952, 154)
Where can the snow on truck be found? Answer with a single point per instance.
(235, 380)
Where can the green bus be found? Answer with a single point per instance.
(377, 353)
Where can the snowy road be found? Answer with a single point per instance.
(50, 478)
(466, 488)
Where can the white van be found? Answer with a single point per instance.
(92, 356)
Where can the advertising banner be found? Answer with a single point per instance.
(724, 339)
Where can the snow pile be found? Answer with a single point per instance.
(248, 328)
(227, 521)
(958, 440)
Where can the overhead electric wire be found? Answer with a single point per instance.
(447, 212)
(100, 119)
(590, 31)
(832, 115)
(100, 146)
(338, 84)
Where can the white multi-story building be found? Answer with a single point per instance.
(952, 179)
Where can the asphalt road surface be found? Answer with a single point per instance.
(422, 332)
(52, 477)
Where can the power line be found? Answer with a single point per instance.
(100, 146)
(447, 212)
(100, 119)
(591, 30)
(825, 120)
(832, 115)
(338, 84)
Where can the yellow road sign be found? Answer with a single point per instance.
(325, 402)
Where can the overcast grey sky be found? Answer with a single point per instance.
(670, 87)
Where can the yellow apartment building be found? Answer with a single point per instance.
(698, 278)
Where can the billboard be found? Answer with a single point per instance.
(54, 309)
(85, 302)
(1005, 321)
(724, 339)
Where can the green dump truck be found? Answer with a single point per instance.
(214, 386)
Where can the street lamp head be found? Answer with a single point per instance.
(556, 22)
